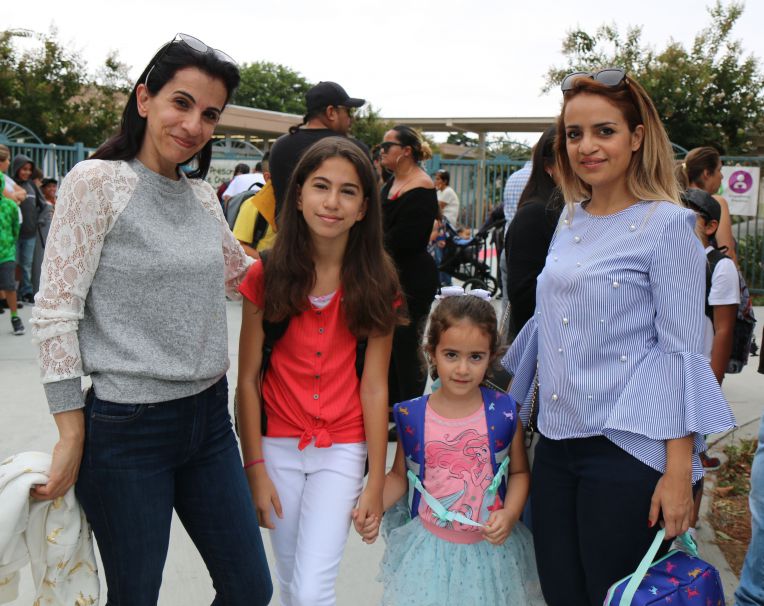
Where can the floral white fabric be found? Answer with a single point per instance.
(53, 537)
(90, 201)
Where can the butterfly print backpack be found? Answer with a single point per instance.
(680, 578)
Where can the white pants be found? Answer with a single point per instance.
(318, 489)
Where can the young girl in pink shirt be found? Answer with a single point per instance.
(457, 539)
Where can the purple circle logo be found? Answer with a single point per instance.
(740, 182)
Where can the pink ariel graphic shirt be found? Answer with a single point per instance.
(457, 472)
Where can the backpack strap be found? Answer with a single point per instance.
(713, 257)
(501, 421)
(259, 230)
(409, 420)
(273, 330)
(438, 510)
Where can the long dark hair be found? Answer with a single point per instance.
(369, 279)
(172, 57)
(540, 184)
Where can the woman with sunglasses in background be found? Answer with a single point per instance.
(138, 260)
(409, 209)
(625, 393)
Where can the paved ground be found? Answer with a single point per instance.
(26, 425)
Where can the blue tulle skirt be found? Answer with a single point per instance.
(420, 569)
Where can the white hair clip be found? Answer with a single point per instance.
(458, 291)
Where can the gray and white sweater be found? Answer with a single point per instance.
(132, 288)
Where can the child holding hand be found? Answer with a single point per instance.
(461, 461)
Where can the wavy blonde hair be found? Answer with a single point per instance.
(650, 174)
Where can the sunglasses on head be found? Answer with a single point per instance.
(610, 76)
(194, 44)
(386, 145)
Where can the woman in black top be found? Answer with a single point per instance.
(529, 234)
(409, 209)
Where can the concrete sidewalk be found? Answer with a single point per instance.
(26, 425)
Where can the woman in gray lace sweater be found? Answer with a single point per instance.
(132, 294)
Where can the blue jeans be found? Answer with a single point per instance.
(25, 258)
(140, 462)
(437, 254)
(751, 589)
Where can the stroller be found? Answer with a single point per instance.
(466, 259)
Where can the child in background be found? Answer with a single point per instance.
(723, 284)
(461, 460)
(9, 235)
(722, 301)
(329, 276)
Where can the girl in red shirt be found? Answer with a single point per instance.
(329, 275)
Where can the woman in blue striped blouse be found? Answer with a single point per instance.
(625, 392)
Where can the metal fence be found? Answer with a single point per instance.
(53, 160)
(478, 183)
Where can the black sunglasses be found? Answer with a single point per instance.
(194, 44)
(610, 76)
(386, 145)
(349, 110)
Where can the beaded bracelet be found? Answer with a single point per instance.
(253, 463)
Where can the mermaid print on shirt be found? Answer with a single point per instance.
(457, 468)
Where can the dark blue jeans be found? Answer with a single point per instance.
(590, 502)
(140, 462)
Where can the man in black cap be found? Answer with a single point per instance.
(330, 114)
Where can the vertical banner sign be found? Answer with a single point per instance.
(740, 187)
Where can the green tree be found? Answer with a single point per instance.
(504, 145)
(271, 86)
(708, 94)
(462, 139)
(47, 89)
(369, 127)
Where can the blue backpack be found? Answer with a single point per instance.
(501, 421)
(679, 579)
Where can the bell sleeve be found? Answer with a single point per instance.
(677, 392)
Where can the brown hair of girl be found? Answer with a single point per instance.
(371, 290)
(454, 309)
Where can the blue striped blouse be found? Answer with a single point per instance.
(618, 335)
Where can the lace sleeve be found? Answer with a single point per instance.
(236, 260)
(90, 199)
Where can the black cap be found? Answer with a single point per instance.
(327, 93)
(697, 199)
